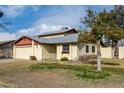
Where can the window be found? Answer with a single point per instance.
(65, 48)
(87, 49)
(93, 49)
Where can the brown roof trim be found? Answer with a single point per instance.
(24, 37)
(58, 33)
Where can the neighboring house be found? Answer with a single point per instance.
(52, 45)
(6, 49)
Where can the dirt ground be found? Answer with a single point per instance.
(17, 74)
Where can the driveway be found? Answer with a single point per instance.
(11, 60)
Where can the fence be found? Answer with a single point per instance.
(121, 52)
(106, 52)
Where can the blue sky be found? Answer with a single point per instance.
(32, 20)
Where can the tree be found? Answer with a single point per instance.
(114, 35)
(115, 28)
(103, 25)
(4, 24)
(96, 23)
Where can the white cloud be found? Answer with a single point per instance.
(7, 36)
(13, 10)
(38, 29)
(30, 31)
(67, 15)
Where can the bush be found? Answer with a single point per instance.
(83, 58)
(64, 59)
(90, 74)
(86, 57)
(43, 66)
(93, 56)
(33, 58)
(37, 67)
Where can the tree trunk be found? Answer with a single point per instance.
(116, 55)
(98, 56)
(114, 50)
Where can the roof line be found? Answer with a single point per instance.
(6, 42)
(26, 37)
(66, 30)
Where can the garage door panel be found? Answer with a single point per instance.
(23, 52)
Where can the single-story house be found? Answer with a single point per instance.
(6, 49)
(52, 45)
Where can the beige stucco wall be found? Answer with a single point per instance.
(121, 52)
(38, 52)
(48, 51)
(53, 36)
(106, 52)
(59, 51)
(82, 50)
(72, 55)
(74, 51)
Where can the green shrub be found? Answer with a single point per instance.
(51, 66)
(83, 58)
(89, 74)
(41, 66)
(33, 58)
(64, 59)
(93, 56)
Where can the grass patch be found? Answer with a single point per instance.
(92, 74)
(41, 66)
(84, 72)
